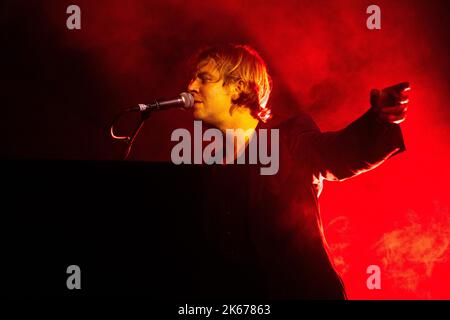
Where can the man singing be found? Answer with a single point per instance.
(262, 234)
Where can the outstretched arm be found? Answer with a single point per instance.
(361, 146)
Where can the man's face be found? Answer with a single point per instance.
(212, 99)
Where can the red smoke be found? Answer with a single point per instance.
(323, 59)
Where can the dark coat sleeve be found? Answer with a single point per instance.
(338, 155)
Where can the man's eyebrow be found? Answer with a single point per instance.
(204, 73)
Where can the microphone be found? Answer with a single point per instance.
(185, 100)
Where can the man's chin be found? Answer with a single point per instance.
(198, 115)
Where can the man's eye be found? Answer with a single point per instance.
(202, 77)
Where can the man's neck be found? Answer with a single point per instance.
(239, 119)
(243, 120)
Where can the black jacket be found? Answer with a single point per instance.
(261, 236)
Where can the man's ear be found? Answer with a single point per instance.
(238, 88)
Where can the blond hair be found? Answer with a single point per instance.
(241, 62)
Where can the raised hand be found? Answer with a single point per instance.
(391, 104)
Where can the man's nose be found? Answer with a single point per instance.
(193, 86)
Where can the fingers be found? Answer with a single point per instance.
(393, 118)
(398, 88)
(394, 110)
(403, 99)
(403, 86)
(395, 114)
(391, 104)
(395, 95)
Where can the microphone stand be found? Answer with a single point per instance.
(128, 139)
(185, 99)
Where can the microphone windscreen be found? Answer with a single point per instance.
(188, 99)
